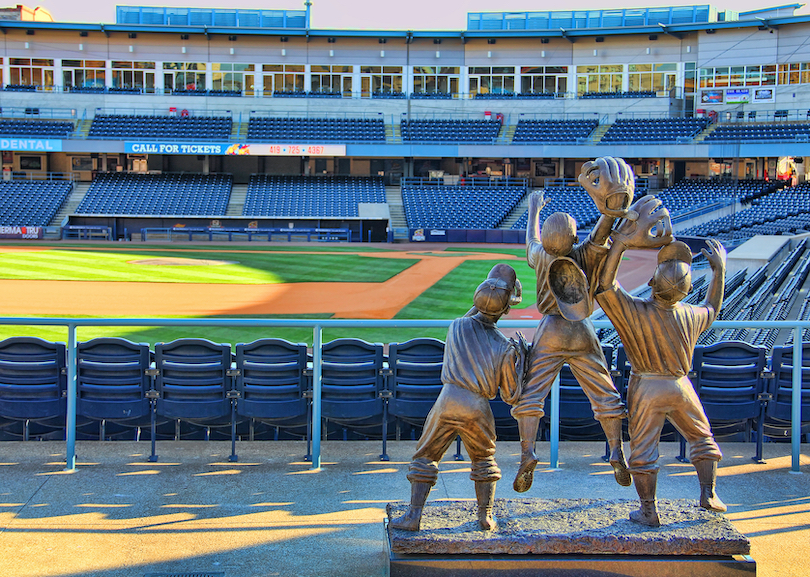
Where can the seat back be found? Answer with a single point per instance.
(271, 380)
(112, 380)
(781, 386)
(33, 379)
(351, 380)
(729, 380)
(192, 380)
(416, 378)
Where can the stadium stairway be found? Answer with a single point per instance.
(393, 195)
(83, 128)
(706, 132)
(239, 130)
(393, 133)
(599, 132)
(236, 203)
(515, 214)
(69, 207)
(507, 132)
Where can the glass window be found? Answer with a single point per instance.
(535, 79)
(443, 79)
(495, 80)
(599, 78)
(380, 79)
(184, 75)
(83, 74)
(283, 78)
(139, 75)
(31, 72)
(230, 77)
(331, 79)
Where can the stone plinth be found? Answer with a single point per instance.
(568, 526)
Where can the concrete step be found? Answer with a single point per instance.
(71, 204)
(515, 214)
(237, 200)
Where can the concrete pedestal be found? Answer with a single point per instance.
(567, 537)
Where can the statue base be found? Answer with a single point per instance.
(563, 537)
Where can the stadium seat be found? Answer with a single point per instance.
(730, 386)
(113, 382)
(272, 384)
(415, 379)
(33, 382)
(194, 384)
(778, 413)
(352, 386)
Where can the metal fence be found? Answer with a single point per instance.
(318, 326)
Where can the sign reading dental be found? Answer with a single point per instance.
(227, 149)
(31, 144)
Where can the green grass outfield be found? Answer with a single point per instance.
(448, 298)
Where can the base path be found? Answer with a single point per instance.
(361, 300)
(137, 299)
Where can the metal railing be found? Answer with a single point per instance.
(318, 325)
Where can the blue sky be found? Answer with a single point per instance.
(375, 14)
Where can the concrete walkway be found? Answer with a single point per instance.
(269, 514)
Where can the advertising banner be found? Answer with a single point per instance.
(31, 144)
(763, 95)
(738, 95)
(711, 97)
(22, 232)
(239, 149)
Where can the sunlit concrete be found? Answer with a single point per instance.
(118, 515)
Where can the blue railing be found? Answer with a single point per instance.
(317, 327)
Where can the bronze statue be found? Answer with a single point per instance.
(567, 276)
(659, 336)
(478, 362)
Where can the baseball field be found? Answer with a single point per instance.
(195, 280)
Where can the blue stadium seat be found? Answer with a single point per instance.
(272, 384)
(730, 386)
(353, 384)
(194, 384)
(33, 382)
(416, 378)
(113, 382)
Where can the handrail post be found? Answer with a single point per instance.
(70, 425)
(317, 357)
(796, 402)
(554, 453)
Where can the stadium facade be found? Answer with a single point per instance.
(482, 93)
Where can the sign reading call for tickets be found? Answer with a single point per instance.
(218, 149)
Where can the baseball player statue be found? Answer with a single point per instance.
(659, 335)
(478, 362)
(567, 277)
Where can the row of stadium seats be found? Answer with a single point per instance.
(301, 196)
(261, 129)
(174, 127)
(477, 207)
(157, 194)
(31, 202)
(757, 132)
(316, 129)
(450, 130)
(653, 130)
(553, 130)
(37, 128)
(779, 212)
(124, 383)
